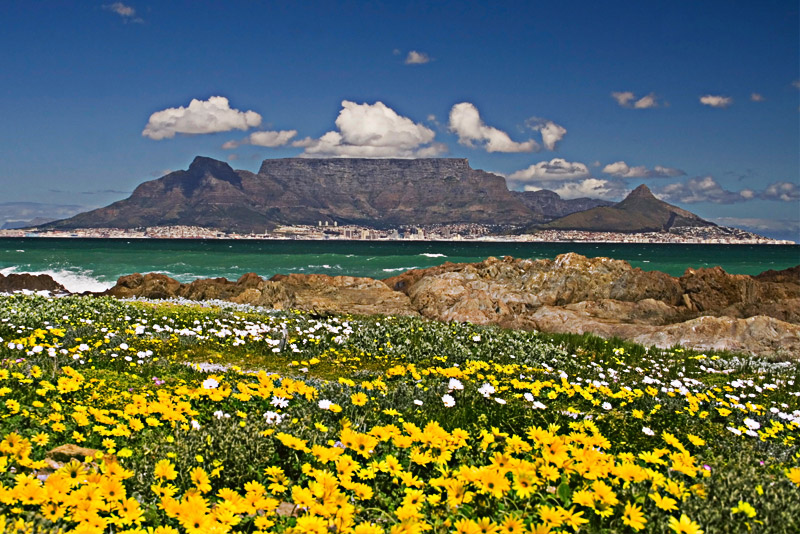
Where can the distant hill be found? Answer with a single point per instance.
(548, 205)
(37, 221)
(640, 211)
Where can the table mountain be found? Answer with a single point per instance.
(370, 192)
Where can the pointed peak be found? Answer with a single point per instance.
(641, 192)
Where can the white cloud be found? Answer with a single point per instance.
(373, 131)
(551, 132)
(623, 98)
(417, 58)
(620, 169)
(759, 224)
(200, 117)
(25, 211)
(590, 187)
(716, 101)
(272, 139)
(757, 97)
(706, 189)
(796, 84)
(627, 99)
(784, 191)
(466, 122)
(646, 102)
(126, 12)
(701, 189)
(267, 138)
(557, 169)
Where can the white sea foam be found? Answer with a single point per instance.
(325, 266)
(433, 255)
(73, 281)
(399, 269)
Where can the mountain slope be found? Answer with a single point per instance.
(548, 205)
(640, 211)
(209, 194)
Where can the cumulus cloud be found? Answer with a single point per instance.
(701, 189)
(555, 170)
(26, 211)
(373, 131)
(417, 58)
(590, 187)
(716, 101)
(266, 138)
(620, 169)
(627, 99)
(200, 117)
(783, 191)
(465, 121)
(127, 13)
(757, 97)
(623, 98)
(646, 102)
(790, 227)
(551, 132)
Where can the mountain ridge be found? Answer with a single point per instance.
(380, 193)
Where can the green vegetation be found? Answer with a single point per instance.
(235, 419)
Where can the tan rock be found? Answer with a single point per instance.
(571, 293)
(68, 452)
(758, 335)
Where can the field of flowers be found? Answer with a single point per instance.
(219, 418)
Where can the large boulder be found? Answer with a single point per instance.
(496, 291)
(312, 292)
(758, 335)
(29, 282)
(336, 294)
(755, 335)
(150, 285)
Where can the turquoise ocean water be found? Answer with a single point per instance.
(95, 264)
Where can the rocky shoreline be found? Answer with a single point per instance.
(704, 309)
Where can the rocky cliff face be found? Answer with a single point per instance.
(703, 309)
(389, 192)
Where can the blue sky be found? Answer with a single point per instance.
(699, 100)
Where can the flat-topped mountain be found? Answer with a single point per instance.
(387, 192)
(640, 211)
(379, 193)
(370, 192)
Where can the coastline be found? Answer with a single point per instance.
(474, 233)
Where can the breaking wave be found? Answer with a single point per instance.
(73, 281)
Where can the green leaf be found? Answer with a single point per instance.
(564, 493)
